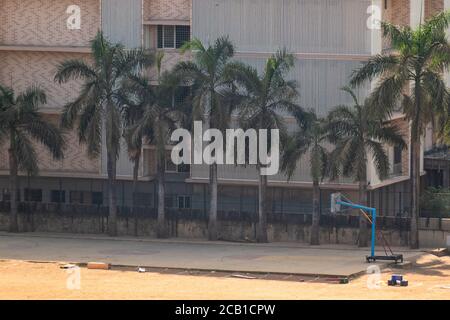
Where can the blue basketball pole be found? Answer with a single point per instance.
(369, 210)
(374, 223)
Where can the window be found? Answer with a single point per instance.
(58, 196)
(168, 201)
(171, 167)
(143, 199)
(6, 196)
(179, 202)
(86, 197)
(397, 168)
(168, 37)
(183, 35)
(397, 155)
(184, 202)
(181, 95)
(184, 168)
(33, 195)
(76, 197)
(171, 37)
(97, 198)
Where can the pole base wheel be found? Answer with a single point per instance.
(396, 258)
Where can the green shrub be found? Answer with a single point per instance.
(435, 202)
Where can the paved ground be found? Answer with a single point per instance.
(270, 258)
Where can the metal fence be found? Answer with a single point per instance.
(35, 209)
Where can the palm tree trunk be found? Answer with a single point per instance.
(112, 219)
(162, 226)
(261, 235)
(135, 181)
(415, 168)
(363, 234)
(212, 222)
(314, 241)
(13, 220)
(415, 189)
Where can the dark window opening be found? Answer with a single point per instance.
(184, 168)
(169, 36)
(170, 166)
(397, 155)
(58, 196)
(33, 195)
(76, 197)
(6, 196)
(97, 198)
(173, 168)
(168, 202)
(86, 197)
(160, 37)
(183, 35)
(143, 199)
(181, 95)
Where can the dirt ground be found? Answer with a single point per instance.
(429, 278)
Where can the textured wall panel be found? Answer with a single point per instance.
(433, 6)
(167, 9)
(398, 12)
(171, 58)
(75, 159)
(22, 69)
(44, 22)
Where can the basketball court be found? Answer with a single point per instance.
(274, 258)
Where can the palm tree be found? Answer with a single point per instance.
(310, 139)
(158, 121)
(412, 77)
(97, 108)
(360, 134)
(207, 74)
(133, 113)
(22, 124)
(266, 97)
(134, 110)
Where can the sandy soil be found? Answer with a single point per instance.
(429, 278)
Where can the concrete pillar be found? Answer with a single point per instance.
(376, 38)
(447, 74)
(417, 12)
(417, 17)
(447, 81)
(446, 178)
(376, 47)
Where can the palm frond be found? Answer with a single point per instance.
(380, 158)
(48, 135)
(73, 70)
(88, 96)
(25, 154)
(30, 99)
(389, 134)
(373, 68)
(132, 62)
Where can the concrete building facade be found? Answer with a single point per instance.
(329, 39)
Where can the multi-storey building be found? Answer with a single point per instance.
(329, 39)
